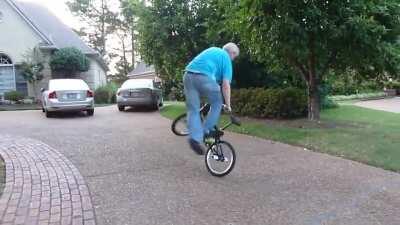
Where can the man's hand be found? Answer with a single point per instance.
(227, 108)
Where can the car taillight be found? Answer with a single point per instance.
(52, 95)
(89, 94)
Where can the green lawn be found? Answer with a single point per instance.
(364, 135)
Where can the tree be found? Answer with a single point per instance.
(99, 19)
(32, 67)
(313, 37)
(171, 33)
(69, 61)
(130, 11)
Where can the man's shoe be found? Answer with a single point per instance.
(196, 147)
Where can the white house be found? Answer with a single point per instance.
(25, 26)
(144, 71)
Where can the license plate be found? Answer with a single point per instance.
(72, 96)
(136, 94)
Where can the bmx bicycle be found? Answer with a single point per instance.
(220, 156)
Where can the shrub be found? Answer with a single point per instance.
(69, 60)
(101, 95)
(106, 94)
(14, 96)
(270, 103)
(328, 103)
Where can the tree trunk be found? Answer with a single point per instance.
(103, 29)
(313, 83)
(314, 100)
(133, 46)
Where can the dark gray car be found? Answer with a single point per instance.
(139, 92)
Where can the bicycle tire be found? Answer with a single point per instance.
(175, 123)
(231, 166)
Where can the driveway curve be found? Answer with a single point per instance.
(139, 173)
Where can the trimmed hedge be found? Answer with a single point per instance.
(270, 103)
(14, 96)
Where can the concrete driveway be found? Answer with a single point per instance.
(389, 105)
(139, 173)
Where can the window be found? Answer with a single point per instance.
(7, 74)
(5, 60)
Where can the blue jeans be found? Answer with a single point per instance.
(196, 87)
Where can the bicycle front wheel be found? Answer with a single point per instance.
(220, 159)
(179, 125)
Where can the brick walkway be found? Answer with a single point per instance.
(42, 186)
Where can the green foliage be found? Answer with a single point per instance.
(328, 103)
(350, 82)
(314, 36)
(171, 33)
(100, 19)
(173, 90)
(69, 61)
(14, 96)
(32, 66)
(101, 95)
(106, 94)
(270, 103)
(392, 85)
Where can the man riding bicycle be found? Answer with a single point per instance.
(202, 78)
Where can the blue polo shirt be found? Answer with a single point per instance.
(213, 62)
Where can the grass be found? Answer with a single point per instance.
(364, 135)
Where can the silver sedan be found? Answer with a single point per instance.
(67, 95)
(139, 92)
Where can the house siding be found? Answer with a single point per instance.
(95, 76)
(17, 37)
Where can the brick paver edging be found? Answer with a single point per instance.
(42, 186)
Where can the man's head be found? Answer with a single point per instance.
(232, 49)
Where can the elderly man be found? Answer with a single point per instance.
(203, 77)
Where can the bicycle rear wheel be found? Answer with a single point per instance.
(179, 126)
(220, 159)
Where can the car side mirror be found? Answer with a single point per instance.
(42, 89)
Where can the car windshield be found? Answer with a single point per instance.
(139, 83)
(67, 84)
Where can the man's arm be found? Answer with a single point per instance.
(226, 91)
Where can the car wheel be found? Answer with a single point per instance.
(121, 108)
(49, 114)
(90, 112)
(156, 106)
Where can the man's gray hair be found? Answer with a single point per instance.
(232, 47)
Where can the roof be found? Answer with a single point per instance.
(141, 69)
(54, 32)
